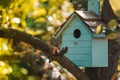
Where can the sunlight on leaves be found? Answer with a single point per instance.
(24, 71)
(99, 29)
(5, 68)
(3, 77)
(31, 78)
(2, 63)
(42, 0)
(37, 32)
(115, 6)
(41, 19)
(16, 20)
(39, 12)
(36, 17)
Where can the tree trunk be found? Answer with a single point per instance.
(107, 12)
(106, 73)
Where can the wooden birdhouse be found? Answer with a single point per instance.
(78, 33)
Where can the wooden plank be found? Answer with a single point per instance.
(77, 43)
(76, 22)
(70, 36)
(77, 50)
(79, 57)
(72, 28)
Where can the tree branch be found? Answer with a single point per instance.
(48, 49)
(107, 12)
(10, 57)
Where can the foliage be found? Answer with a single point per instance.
(99, 29)
(113, 25)
(38, 15)
(115, 6)
(39, 18)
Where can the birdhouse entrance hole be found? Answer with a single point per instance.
(77, 33)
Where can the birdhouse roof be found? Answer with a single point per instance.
(89, 18)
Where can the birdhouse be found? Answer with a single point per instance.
(78, 33)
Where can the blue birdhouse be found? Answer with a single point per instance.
(78, 33)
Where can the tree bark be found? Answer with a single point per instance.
(106, 73)
(48, 49)
(107, 13)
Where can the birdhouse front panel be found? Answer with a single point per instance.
(78, 38)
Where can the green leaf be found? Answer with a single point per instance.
(99, 29)
(112, 23)
(112, 36)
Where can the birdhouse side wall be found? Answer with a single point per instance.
(79, 46)
(100, 52)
